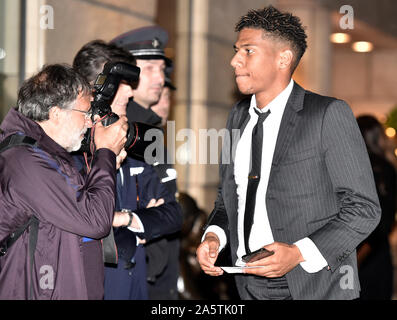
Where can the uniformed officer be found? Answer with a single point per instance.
(147, 46)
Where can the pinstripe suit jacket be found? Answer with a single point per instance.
(321, 186)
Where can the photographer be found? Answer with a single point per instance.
(41, 180)
(154, 210)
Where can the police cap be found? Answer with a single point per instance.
(145, 43)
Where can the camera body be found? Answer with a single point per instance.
(105, 89)
(106, 85)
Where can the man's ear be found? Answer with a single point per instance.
(54, 114)
(286, 59)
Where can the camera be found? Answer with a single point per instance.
(105, 88)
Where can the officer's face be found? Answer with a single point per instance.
(162, 107)
(151, 82)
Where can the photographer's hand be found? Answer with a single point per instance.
(112, 137)
(120, 158)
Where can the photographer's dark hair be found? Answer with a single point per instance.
(55, 85)
(91, 58)
(279, 25)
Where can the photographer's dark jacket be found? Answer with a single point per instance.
(43, 182)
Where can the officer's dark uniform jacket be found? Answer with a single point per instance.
(137, 113)
(137, 184)
(163, 253)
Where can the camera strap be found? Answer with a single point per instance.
(109, 249)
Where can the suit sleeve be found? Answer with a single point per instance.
(218, 216)
(217, 223)
(349, 169)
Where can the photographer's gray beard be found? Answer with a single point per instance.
(75, 142)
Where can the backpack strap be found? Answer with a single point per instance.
(33, 223)
(16, 140)
(13, 237)
(9, 142)
(33, 234)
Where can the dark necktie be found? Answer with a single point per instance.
(254, 176)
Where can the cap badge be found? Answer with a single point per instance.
(156, 43)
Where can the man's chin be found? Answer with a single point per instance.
(75, 147)
(154, 96)
(244, 89)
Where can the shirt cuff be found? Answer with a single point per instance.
(220, 233)
(314, 260)
(141, 229)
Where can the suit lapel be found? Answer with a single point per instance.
(289, 122)
(241, 122)
(244, 115)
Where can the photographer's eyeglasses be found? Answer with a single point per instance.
(87, 114)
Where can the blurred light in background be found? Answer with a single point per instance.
(2, 53)
(362, 46)
(339, 37)
(390, 132)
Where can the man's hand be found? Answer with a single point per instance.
(112, 137)
(285, 258)
(121, 219)
(207, 253)
(152, 203)
(155, 203)
(120, 158)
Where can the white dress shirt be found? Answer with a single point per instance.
(261, 233)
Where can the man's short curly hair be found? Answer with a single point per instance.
(282, 26)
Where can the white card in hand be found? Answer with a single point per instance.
(237, 269)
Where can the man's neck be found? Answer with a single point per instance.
(136, 112)
(142, 103)
(265, 97)
(51, 131)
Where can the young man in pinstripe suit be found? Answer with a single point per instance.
(315, 198)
